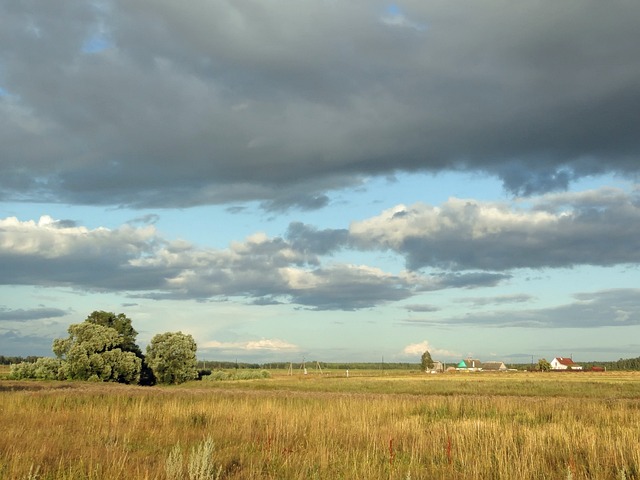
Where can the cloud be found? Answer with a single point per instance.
(472, 243)
(271, 345)
(319, 242)
(170, 105)
(591, 228)
(459, 244)
(417, 349)
(138, 262)
(394, 17)
(607, 308)
(497, 300)
(16, 343)
(422, 308)
(22, 315)
(348, 287)
(49, 253)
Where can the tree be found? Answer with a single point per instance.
(543, 365)
(94, 352)
(122, 324)
(172, 357)
(427, 361)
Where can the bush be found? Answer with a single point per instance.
(44, 368)
(201, 465)
(220, 375)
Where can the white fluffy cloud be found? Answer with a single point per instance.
(271, 345)
(417, 349)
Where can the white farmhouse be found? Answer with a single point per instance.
(564, 363)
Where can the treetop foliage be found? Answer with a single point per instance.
(172, 357)
(121, 324)
(93, 352)
(426, 362)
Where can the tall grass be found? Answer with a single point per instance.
(458, 427)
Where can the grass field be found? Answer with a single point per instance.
(396, 425)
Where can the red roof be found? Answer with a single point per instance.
(567, 362)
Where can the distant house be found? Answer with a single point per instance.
(470, 365)
(438, 367)
(564, 363)
(494, 367)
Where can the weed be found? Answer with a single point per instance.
(201, 463)
(174, 464)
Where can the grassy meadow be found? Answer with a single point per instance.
(372, 425)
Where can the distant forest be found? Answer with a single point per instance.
(622, 364)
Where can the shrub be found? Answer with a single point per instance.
(201, 465)
(44, 368)
(174, 464)
(220, 375)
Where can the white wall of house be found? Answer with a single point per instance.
(556, 365)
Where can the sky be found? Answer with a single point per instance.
(325, 180)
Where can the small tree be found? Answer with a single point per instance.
(426, 361)
(543, 365)
(172, 357)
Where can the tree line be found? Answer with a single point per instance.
(103, 348)
(10, 360)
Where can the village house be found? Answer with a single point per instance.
(494, 367)
(469, 365)
(564, 363)
(438, 367)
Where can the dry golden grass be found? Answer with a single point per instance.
(490, 426)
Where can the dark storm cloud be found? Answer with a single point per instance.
(609, 308)
(169, 104)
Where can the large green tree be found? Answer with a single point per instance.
(172, 357)
(426, 361)
(94, 352)
(122, 324)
